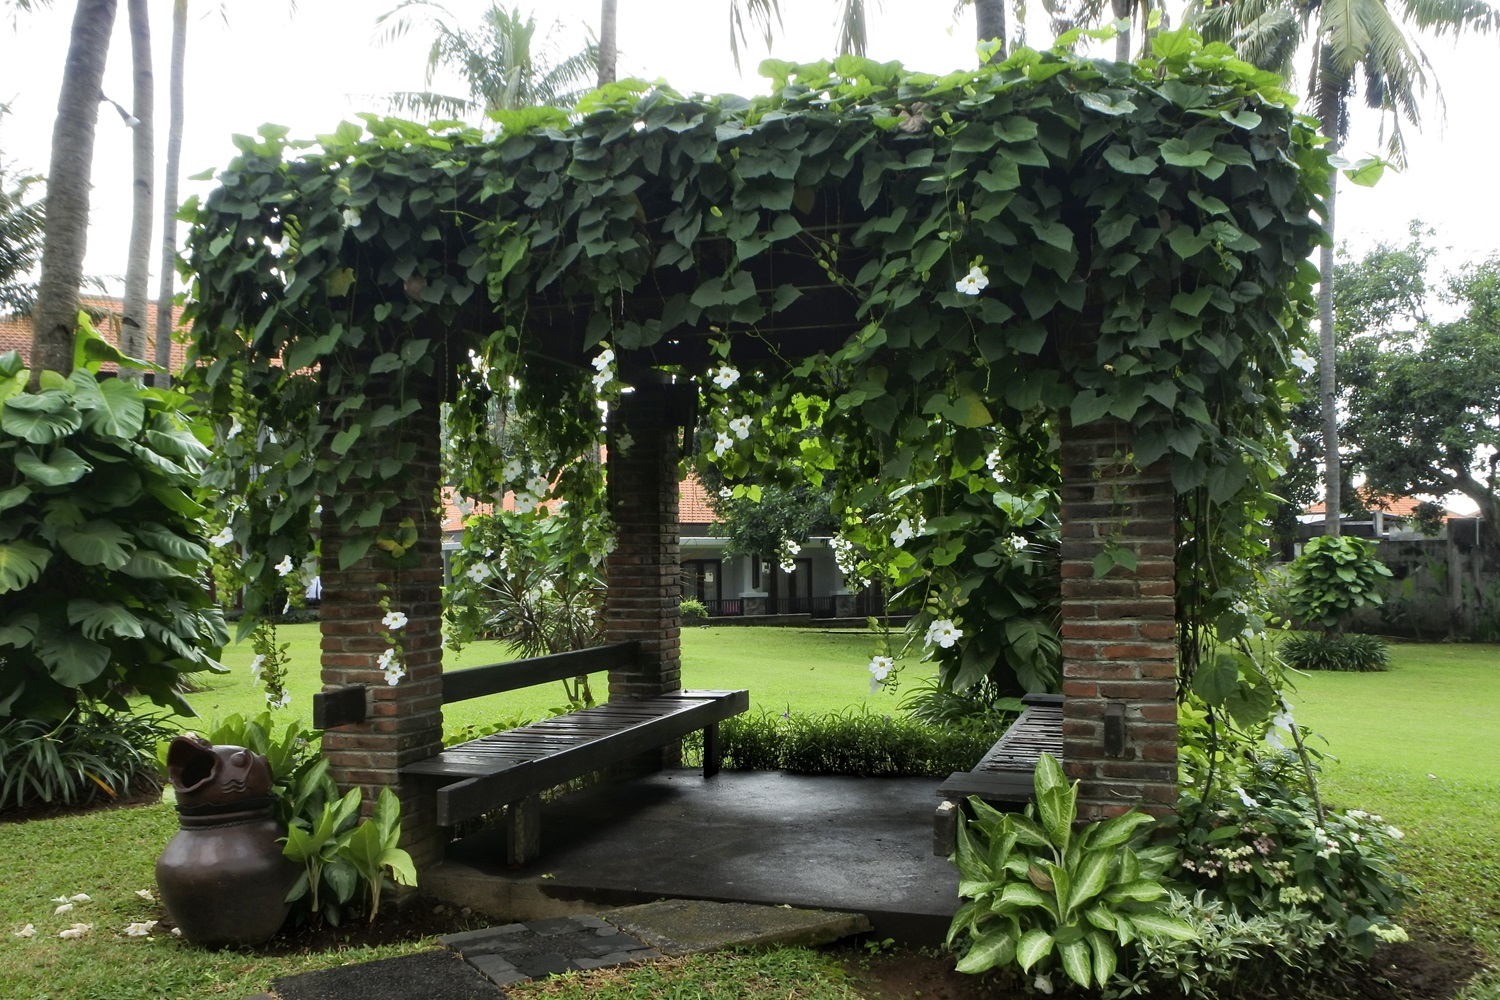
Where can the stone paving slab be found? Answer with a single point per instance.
(511, 953)
(432, 975)
(687, 926)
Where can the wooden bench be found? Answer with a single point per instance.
(1004, 776)
(512, 768)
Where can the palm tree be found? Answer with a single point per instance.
(1068, 14)
(22, 216)
(497, 62)
(143, 149)
(1356, 39)
(170, 172)
(56, 312)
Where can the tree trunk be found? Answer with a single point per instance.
(989, 23)
(165, 286)
(56, 314)
(608, 19)
(1122, 9)
(1327, 375)
(133, 325)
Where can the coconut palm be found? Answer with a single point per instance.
(56, 312)
(143, 162)
(22, 215)
(500, 62)
(1366, 45)
(170, 171)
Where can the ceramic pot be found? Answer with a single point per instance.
(223, 877)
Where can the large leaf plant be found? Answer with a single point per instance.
(101, 558)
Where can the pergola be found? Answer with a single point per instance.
(1141, 232)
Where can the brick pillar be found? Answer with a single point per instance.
(645, 588)
(406, 720)
(1118, 631)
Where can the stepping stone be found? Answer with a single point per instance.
(686, 926)
(432, 975)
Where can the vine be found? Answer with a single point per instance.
(906, 277)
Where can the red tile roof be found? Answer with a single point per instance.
(1394, 506)
(15, 331)
(692, 502)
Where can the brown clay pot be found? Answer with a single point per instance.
(223, 877)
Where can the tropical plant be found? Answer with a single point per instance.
(502, 63)
(22, 219)
(370, 849)
(1333, 578)
(83, 758)
(1039, 895)
(54, 318)
(101, 550)
(693, 612)
(1350, 651)
(1364, 39)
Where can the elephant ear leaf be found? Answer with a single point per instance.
(99, 619)
(120, 413)
(98, 543)
(21, 564)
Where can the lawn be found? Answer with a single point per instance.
(805, 670)
(1415, 744)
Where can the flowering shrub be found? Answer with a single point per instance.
(1262, 847)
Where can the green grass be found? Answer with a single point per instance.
(1420, 745)
(1434, 713)
(803, 670)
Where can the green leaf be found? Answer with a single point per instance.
(1088, 406)
(1076, 962)
(968, 410)
(98, 543)
(14, 497)
(1119, 157)
(146, 564)
(1162, 925)
(1024, 894)
(21, 564)
(71, 659)
(98, 619)
(1118, 829)
(121, 410)
(40, 418)
(1245, 119)
(1035, 945)
(989, 951)
(1192, 303)
(63, 467)
(1089, 879)
(1105, 959)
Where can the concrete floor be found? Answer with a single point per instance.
(861, 845)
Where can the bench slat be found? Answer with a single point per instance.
(636, 726)
(494, 678)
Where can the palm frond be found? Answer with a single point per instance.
(759, 11)
(854, 34)
(1451, 16)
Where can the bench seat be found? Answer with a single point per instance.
(1004, 776)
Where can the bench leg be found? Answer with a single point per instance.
(711, 750)
(523, 830)
(945, 829)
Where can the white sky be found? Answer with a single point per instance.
(312, 70)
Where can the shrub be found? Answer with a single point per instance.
(848, 742)
(935, 704)
(1334, 651)
(693, 612)
(86, 757)
(1262, 847)
(1334, 577)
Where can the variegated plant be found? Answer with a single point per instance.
(1040, 894)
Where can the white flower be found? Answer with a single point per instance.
(740, 426)
(75, 932)
(512, 469)
(285, 567)
(394, 672)
(223, 538)
(1293, 447)
(491, 132)
(602, 379)
(624, 443)
(723, 443)
(25, 932)
(386, 658)
(604, 359)
(725, 493)
(1283, 719)
(352, 218)
(1043, 982)
(943, 632)
(1273, 740)
(478, 573)
(792, 547)
(1301, 359)
(279, 249)
(62, 908)
(142, 929)
(538, 486)
(902, 534)
(725, 377)
(234, 429)
(992, 460)
(881, 666)
(972, 284)
(1016, 543)
(255, 667)
(281, 700)
(525, 503)
(146, 894)
(1245, 798)
(394, 620)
